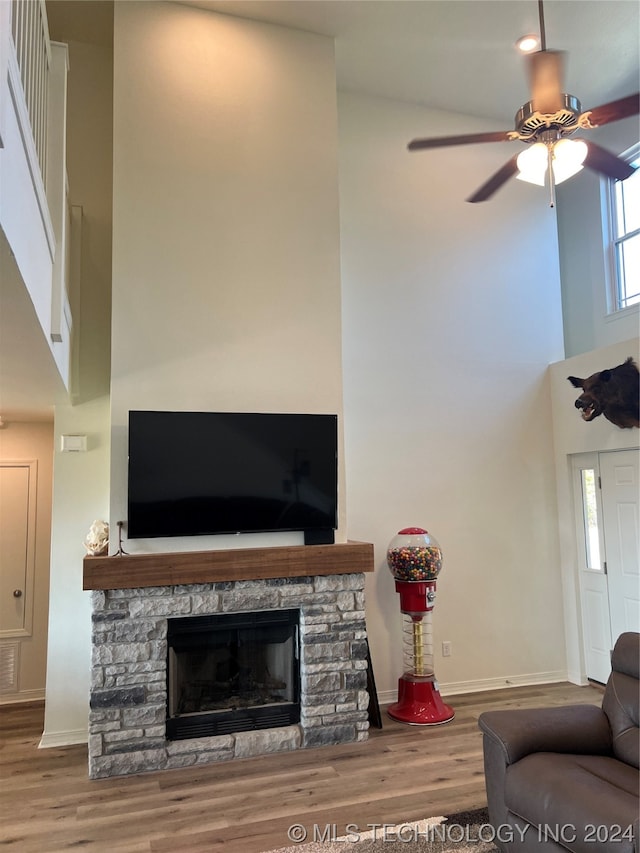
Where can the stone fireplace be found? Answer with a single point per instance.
(133, 697)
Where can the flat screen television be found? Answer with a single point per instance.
(197, 473)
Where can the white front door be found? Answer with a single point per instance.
(620, 477)
(594, 589)
(607, 522)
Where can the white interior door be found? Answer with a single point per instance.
(15, 553)
(17, 570)
(620, 477)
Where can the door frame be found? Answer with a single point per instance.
(592, 582)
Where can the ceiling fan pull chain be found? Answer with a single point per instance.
(552, 183)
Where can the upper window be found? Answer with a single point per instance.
(625, 234)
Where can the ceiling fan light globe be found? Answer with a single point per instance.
(568, 157)
(532, 164)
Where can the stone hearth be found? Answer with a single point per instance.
(129, 670)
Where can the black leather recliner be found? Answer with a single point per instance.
(567, 778)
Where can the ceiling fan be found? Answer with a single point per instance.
(544, 123)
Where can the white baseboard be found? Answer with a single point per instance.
(385, 697)
(22, 696)
(577, 678)
(70, 738)
(454, 688)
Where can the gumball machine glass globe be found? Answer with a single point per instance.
(414, 555)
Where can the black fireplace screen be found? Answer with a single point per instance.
(232, 672)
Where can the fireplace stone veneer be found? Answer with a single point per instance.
(128, 703)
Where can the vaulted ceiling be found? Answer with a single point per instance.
(460, 55)
(454, 55)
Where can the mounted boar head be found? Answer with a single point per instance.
(613, 393)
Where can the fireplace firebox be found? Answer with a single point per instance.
(232, 672)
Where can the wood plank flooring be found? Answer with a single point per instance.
(403, 773)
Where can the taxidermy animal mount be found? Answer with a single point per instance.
(614, 393)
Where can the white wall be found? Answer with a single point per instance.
(451, 315)
(230, 250)
(80, 495)
(81, 481)
(226, 282)
(90, 153)
(227, 296)
(585, 263)
(573, 435)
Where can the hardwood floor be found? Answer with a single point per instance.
(403, 773)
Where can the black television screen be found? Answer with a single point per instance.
(196, 473)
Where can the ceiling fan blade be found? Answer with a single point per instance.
(495, 181)
(601, 160)
(468, 139)
(546, 78)
(615, 110)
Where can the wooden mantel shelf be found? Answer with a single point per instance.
(189, 567)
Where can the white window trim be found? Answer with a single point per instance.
(611, 268)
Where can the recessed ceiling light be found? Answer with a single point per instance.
(527, 44)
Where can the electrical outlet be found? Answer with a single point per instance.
(446, 649)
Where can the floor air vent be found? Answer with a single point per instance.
(9, 664)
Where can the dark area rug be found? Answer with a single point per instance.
(464, 832)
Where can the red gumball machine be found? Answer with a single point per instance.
(415, 559)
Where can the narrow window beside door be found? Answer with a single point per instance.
(590, 514)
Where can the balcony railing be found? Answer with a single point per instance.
(34, 214)
(30, 32)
